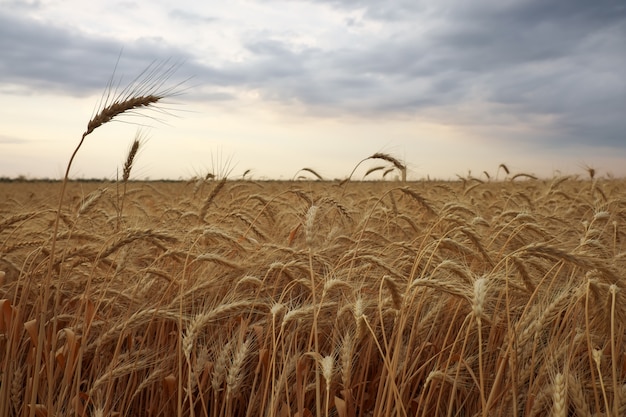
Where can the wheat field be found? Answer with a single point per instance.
(313, 298)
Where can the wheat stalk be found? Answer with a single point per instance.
(597, 358)
(130, 158)
(372, 170)
(218, 187)
(145, 91)
(385, 157)
(128, 165)
(311, 171)
(622, 407)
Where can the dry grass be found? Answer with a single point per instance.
(436, 302)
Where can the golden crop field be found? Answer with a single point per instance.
(243, 298)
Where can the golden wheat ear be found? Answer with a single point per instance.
(145, 91)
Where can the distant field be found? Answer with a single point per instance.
(243, 298)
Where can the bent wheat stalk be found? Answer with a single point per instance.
(385, 157)
(144, 91)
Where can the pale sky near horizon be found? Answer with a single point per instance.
(449, 86)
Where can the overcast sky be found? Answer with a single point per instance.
(449, 86)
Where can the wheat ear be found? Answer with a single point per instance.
(235, 375)
(311, 171)
(385, 157)
(575, 392)
(128, 165)
(145, 91)
(327, 364)
(309, 225)
(559, 396)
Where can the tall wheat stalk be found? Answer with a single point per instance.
(145, 91)
(128, 165)
(385, 157)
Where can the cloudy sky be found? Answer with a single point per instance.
(449, 86)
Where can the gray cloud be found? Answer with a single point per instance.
(22, 4)
(44, 57)
(560, 61)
